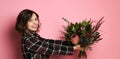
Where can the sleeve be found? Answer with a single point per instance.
(48, 47)
(63, 42)
(60, 47)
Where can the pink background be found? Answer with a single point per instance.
(51, 12)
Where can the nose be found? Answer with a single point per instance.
(35, 22)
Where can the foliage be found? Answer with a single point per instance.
(87, 32)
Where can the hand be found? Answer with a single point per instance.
(77, 47)
(75, 39)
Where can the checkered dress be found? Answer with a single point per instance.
(36, 47)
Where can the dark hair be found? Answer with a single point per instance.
(22, 19)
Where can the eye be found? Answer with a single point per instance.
(36, 18)
(30, 20)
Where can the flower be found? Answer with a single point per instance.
(87, 32)
(75, 39)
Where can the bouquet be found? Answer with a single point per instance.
(87, 31)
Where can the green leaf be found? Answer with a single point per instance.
(88, 28)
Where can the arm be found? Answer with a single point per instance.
(60, 47)
(48, 47)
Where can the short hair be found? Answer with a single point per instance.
(22, 19)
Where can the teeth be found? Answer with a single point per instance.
(34, 27)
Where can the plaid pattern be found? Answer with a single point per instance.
(36, 47)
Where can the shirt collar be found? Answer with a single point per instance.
(29, 34)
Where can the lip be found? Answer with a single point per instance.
(34, 27)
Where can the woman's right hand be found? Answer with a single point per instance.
(77, 47)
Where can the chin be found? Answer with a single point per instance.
(34, 30)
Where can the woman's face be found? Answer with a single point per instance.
(33, 23)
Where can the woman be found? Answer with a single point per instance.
(33, 45)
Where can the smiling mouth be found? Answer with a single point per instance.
(35, 27)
